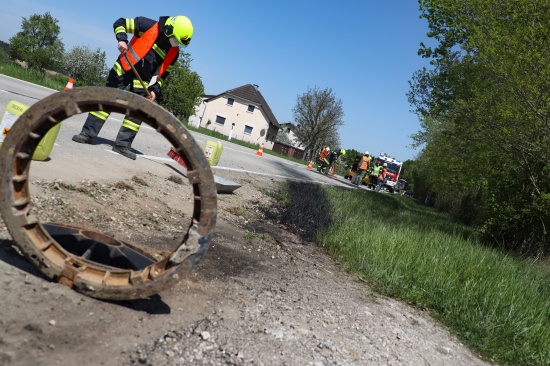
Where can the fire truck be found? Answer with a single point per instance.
(394, 170)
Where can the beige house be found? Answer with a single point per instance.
(241, 113)
(288, 129)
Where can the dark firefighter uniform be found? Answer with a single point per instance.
(118, 78)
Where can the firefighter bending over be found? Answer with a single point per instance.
(153, 50)
(324, 163)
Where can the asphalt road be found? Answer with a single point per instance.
(70, 160)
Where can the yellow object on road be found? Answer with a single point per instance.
(213, 152)
(13, 111)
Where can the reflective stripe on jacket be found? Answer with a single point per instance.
(150, 45)
(324, 154)
(140, 46)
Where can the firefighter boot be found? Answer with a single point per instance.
(125, 151)
(124, 141)
(90, 130)
(83, 139)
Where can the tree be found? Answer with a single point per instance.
(349, 158)
(333, 140)
(485, 116)
(38, 42)
(86, 66)
(318, 114)
(183, 89)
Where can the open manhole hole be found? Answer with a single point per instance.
(90, 261)
(99, 248)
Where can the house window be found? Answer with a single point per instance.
(247, 130)
(230, 101)
(251, 108)
(220, 120)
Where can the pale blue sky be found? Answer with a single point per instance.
(365, 50)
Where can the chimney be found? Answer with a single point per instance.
(256, 86)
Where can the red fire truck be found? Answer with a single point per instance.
(394, 170)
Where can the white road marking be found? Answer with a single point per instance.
(217, 167)
(151, 157)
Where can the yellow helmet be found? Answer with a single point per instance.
(179, 27)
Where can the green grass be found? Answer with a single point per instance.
(252, 234)
(497, 304)
(140, 181)
(56, 82)
(175, 179)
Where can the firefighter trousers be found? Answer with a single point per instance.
(130, 126)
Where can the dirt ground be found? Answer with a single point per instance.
(261, 295)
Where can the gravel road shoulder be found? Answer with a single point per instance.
(260, 296)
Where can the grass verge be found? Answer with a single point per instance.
(56, 82)
(496, 304)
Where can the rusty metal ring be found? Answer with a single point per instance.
(44, 244)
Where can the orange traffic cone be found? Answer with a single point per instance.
(260, 150)
(310, 164)
(69, 85)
